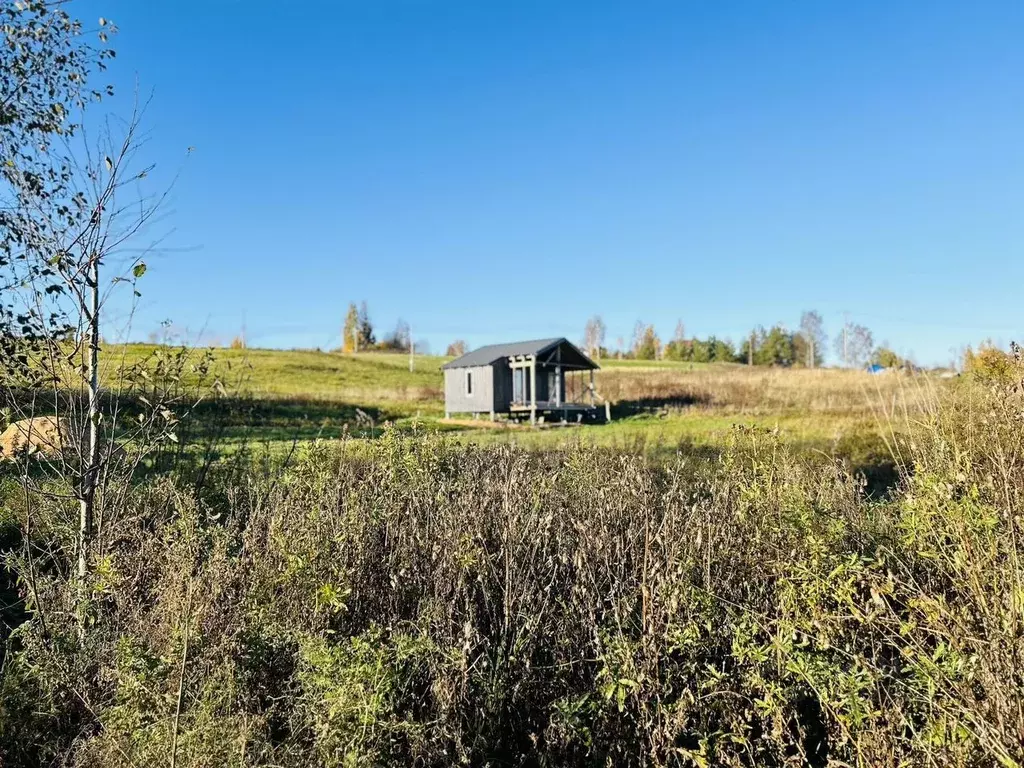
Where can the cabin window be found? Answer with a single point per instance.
(469, 382)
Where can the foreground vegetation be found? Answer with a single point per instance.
(423, 601)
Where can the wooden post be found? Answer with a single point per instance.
(592, 400)
(607, 411)
(558, 385)
(533, 390)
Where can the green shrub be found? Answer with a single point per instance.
(992, 365)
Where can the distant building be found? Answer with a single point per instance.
(521, 379)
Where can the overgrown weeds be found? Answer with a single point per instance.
(763, 390)
(420, 602)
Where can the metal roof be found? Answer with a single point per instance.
(493, 352)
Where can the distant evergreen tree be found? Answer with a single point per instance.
(366, 336)
(772, 347)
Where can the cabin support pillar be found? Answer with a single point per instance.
(592, 387)
(533, 389)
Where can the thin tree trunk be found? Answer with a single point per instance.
(181, 679)
(87, 500)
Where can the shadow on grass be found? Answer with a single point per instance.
(869, 457)
(285, 419)
(227, 426)
(214, 430)
(625, 408)
(235, 417)
(863, 456)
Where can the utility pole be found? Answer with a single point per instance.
(355, 340)
(750, 350)
(846, 328)
(412, 352)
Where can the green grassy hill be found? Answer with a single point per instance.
(310, 374)
(659, 406)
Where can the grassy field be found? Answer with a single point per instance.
(663, 407)
(430, 602)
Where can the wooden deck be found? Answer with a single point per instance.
(551, 405)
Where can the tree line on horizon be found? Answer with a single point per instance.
(805, 347)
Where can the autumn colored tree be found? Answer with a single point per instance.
(350, 331)
(648, 345)
(887, 358)
(457, 348)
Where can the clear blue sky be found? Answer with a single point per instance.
(500, 170)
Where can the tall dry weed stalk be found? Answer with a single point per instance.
(416, 602)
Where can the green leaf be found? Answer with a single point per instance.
(139, 269)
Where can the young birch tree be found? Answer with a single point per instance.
(593, 336)
(70, 205)
(812, 329)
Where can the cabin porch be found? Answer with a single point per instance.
(555, 385)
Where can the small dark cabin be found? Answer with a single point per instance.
(524, 378)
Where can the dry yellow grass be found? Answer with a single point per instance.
(762, 390)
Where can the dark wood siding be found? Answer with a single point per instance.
(502, 386)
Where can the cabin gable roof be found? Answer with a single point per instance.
(494, 352)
